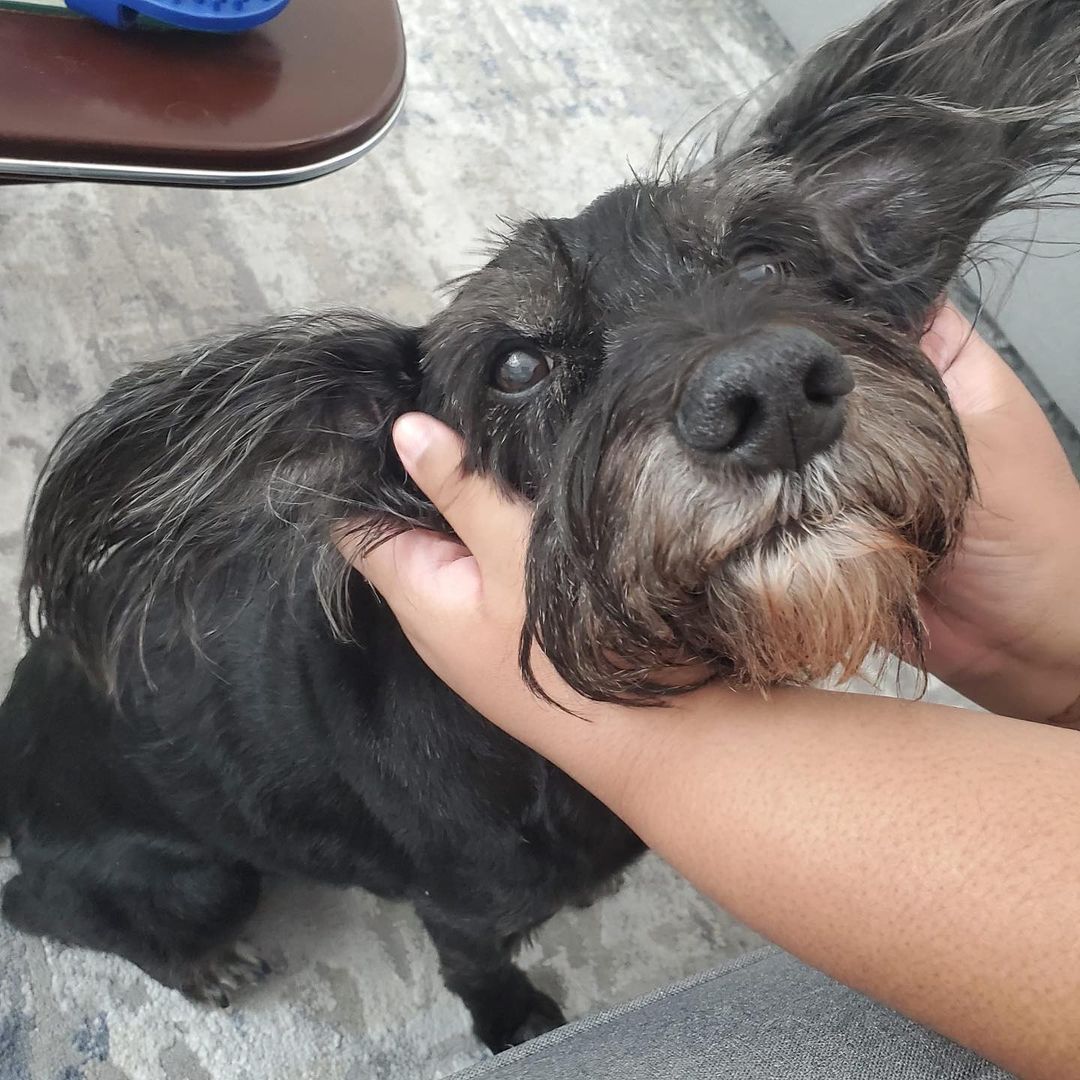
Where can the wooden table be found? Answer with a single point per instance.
(302, 95)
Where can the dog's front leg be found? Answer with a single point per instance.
(476, 959)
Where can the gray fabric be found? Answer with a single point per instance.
(766, 1017)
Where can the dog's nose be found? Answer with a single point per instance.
(771, 400)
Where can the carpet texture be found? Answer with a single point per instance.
(513, 108)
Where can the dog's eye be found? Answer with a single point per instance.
(756, 270)
(519, 371)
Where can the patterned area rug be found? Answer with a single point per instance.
(514, 107)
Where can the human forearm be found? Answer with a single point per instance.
(926, 856)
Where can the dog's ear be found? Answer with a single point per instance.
(911, 130)
(246, 451)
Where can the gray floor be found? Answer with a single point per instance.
(513, 107)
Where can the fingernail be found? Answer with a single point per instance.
(412, 436)
(946, 337)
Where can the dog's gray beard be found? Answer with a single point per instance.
(780, 579)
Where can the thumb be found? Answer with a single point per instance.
(977, 379)
(417, 571)
(488, 523)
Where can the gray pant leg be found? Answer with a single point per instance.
(765, 1017)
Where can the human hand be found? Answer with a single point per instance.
(1003, 616)
(462, 607)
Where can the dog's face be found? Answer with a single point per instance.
(735, 463)
(711, 384)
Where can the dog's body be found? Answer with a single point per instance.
(277, 750)
(711, 386)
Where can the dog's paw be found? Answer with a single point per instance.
(217, 976)
(538, 1014)
(546, 1016)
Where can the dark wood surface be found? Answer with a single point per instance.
(318, 81)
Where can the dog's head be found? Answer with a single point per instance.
(709, 382)
(735, 463)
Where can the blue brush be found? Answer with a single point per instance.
(219, 15)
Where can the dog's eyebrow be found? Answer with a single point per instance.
(578, 308)
(578, 273)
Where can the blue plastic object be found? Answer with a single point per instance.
(215, 15)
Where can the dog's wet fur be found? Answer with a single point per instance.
(708, 381)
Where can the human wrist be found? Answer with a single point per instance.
(1036, 679)
(1004, 621)
(1012, 690)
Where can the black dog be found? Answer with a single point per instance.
(710, 385)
